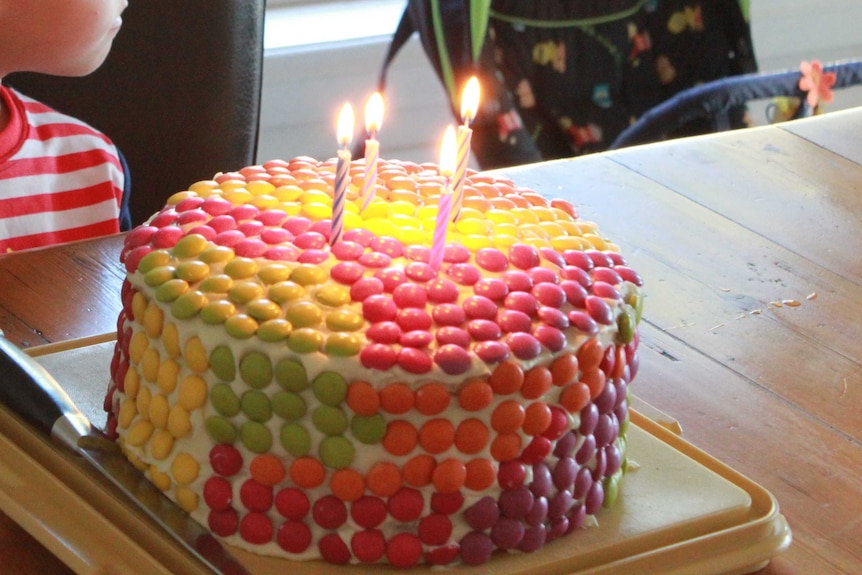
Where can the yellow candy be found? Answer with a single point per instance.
(316, 197)
(474, 226)
(186, 498)
(264, 202)
(316, 211)
(217, 254)
(525, 216)
(412, 236)
(153, 260)
(245, 291)
(570, 227)
(131, 383)
(139, 306)
(128, 411)
(180, 196)
(474, 243)
(260, 187)
(160, 479)
(273, 273)
(140, 433)
(218, 283)
(561, 214)
(532, 231)
(286, 291)
(381, 227)
(308, 274)
(171, 339)
(143, 402)
(402, 207)
(237, 196)
(137, 346)
(203, 186)
(150, 365)
(332, 294)
(537, 242)
(377, 209)
(290, 208)
(501, 216)
(505, 229)
(504, 242)
(553, 229)
(241, 268)
(159, 409)
(544, 214)
(470, 214)
(426, 212)
(190, 246)
(193, 271)
(185, 468)
(195, 355)
(234, 184)
(596, 241)
(288, 193)
(344, 320)
(179, 422)
(154, 319)
(192, 393)
(161, 445)
(167, 375)
(352, 220)
(563, 243)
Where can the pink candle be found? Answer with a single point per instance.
(373, 120)
(469, 108)
(345, 135)
(444, 209)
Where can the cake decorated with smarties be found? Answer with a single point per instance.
(357, 400)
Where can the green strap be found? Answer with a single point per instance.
(575, 23)
(442, 51)
(479, 11)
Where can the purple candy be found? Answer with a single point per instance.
(576, 294)
(587, 450)
(453, 335)
(550, 337)
(541, 275)
(595, 498)
(582, 484)
(476, 548)
(482, 514)
(523, 345)
(534, 538)
(538, 512)
(452, 359)
(511, 321)
(542, 482)
(549, 294)
(606, 290)
(599, 310)
(507, 533)
(523, 302)
(553, 317)
(564, 473)
(491, 351)
(607, 275)
(483, 330)
(516, 503)
(565, 446)
(559, 504)
(583, 322)
(579, 259)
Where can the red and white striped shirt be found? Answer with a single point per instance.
(60, 179)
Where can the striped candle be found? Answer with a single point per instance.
(342, 168)
(469, 107)
(444, 208)
(373, 120)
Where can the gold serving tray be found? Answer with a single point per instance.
(680, 511)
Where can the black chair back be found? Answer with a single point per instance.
(179, 94)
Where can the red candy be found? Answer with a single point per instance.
(406, 505)
(256, 496)
(218, 493)
(410, 295)
(420, 271)
(166, 237)
(378, 308)
(368, 546)
(492, 260)
(464, 274)
(523, 256)
(256, 528)
(329, 512)
(294, 537)
(378, 356)
(368, 511)
(347, 272)
(225, 460)
(404, 550)
(414, 360)
(292, 503)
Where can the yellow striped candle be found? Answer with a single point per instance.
(339, 196)
(373, 121)
(444, 208)
(469, 108)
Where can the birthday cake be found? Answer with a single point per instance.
(359, 400)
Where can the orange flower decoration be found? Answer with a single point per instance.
(816, 83)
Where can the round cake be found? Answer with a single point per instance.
(353, 401)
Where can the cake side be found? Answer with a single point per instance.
(353, 402)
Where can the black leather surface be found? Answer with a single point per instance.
(179, 93)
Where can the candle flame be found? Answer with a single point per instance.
(448, 152)
(345, 126)
(470, 100)
(374, 113)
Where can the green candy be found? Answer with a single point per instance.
(273, 273)
(612, 488)
(291, 375)
(190, 246)
(263, 309)
(245, 291)
(256, 406)
(153, 260)
(255, 369)
(288, 405)
(329, 388)
(368, 429)
(192, 271)
(305, 340)
(222, 363)
(224, 400)
(337, 452)
(295, 439)
(217, 312)
(309, 274)
(344, 320)
(342, 344)
(274, 330)
(217, 254)
(219, 283)
(240, 326)
(329, 420)
(171, 290)
(255, 436)
(286, 291)
(626, 325)
(220, 429)
(188, 305)
(332, 295)
(304, 314)
(158, 276)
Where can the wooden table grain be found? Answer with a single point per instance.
(750, 243)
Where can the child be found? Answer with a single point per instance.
(60, 179)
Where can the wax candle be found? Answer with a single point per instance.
(373, 120)
(441, 225)
(469, 108)
(339, 196)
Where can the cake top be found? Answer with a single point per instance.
(250, 251)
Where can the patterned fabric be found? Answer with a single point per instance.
(60, 179)
(577, 73)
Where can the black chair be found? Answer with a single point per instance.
(711, 101)
(179, 94)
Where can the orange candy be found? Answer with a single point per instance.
(267, 469)
(383, 479)
(508, 417)
(595, 380)
(431, 399)
(347, 484)
(449, 476)
(590, 355)
(537, 418)
(507, 378)
(537, 381)
(475, 395)
(396, 398)
(564, 369)
(362, 398)
(481, 474)
(506, 446)
(418, 470)
(471, 436)
(400, 438)
(307, 472)
(437, 435)
(575, 397)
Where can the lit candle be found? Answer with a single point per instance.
(345, 136)
(469, 108)
(373, 120)
(447, 165)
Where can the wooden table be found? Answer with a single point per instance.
(751, 246)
